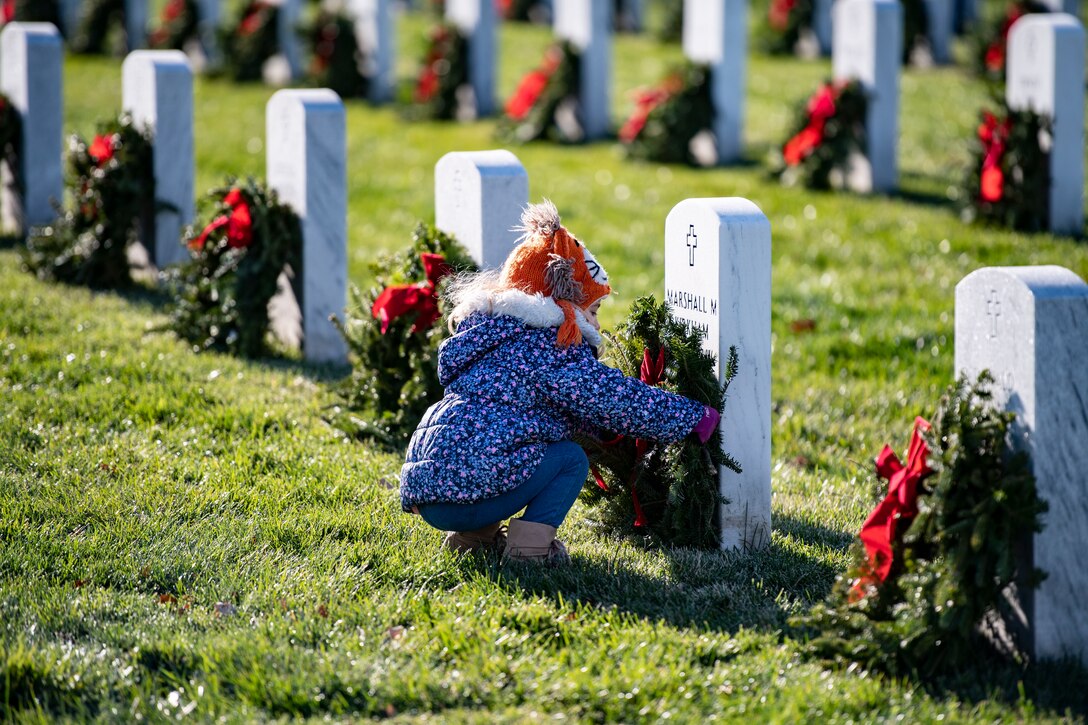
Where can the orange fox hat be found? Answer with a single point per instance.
(549, 261)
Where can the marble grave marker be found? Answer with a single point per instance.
(157, 89)
(306, 161)
(716, 33)
(718, 279)
(1029, 327)
(587, 25)
(867, 46)
(476, 20)
(31, 75)
(1045, 73)
(478, 198)
(375, 35)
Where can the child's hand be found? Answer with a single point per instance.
(706, 425)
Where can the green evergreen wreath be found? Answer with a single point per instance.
(38, 11)
(335, 55)
(250, 41)
(545, 103)
(11, 141)
(668, 117)
(177, 25)
(112, 183)
(669, 490)
(829, 130)
(952, 562)
(1009, 181)
(222, 292)
(99, 16)
(437, 90)
(394, 377)
(787, 20)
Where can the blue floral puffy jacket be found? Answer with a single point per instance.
(510, 390)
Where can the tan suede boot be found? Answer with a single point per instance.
(489, 537)
(529, 541)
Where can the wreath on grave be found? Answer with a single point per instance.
(788, 21)
(221, 293)
(668, 117)
(829, 132)
(99, 16)
(938, 552)
(11, 140)
(671, 491)
(336, 57)
(177, 25)
(545, 103)
(1009, 180)
(251, 41)
(112, 184)
(991, 42)
(30, 11)
(391, 331)
(438, 91)
(524, 11)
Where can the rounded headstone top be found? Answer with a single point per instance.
(736, 208)
(495, 162)
(156, 57)
(43, 31)
(309, 97)
(1049, 20)
(1042, 281)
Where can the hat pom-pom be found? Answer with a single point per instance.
(539, 220)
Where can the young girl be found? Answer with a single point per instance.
(521, 376)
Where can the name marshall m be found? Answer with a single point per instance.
(688, 301)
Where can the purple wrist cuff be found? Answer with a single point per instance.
(706, 425)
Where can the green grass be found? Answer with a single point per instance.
(140, 484)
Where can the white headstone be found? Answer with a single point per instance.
(940, 15)
(157, 89)
(868, 46)
(587, 25)
(478, 198)
(476, 20)
(718, 278)
(136, 24)
(306, 160)
(207, 25)
(287, 19)
(31, 75)
(375, 35)
(71, 11)
(1045, 73)
(716, 33)
(1029, 327)
(821, 24)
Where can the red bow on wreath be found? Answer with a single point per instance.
(881, 530)
(422, 298)
(532, 85)
(994, 135)
(101, 149)
(7, 11)
(239, 223)
(778, 15)
(652, 372)
(820, 108)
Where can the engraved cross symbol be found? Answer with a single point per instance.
(993, 309)
(693, 242)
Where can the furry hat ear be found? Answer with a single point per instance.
(559, 276)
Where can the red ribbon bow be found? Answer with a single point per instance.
(532, 85)
(421, 297)
(101, 149)
(239, 223)
(820, 108)
(652, 372)
(994, 135)
(880, 530)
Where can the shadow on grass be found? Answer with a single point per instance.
(719, 590)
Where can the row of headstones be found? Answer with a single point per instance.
(717, 277)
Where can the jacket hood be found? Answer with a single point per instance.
(491, 319)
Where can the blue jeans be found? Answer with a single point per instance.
(546, 497)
